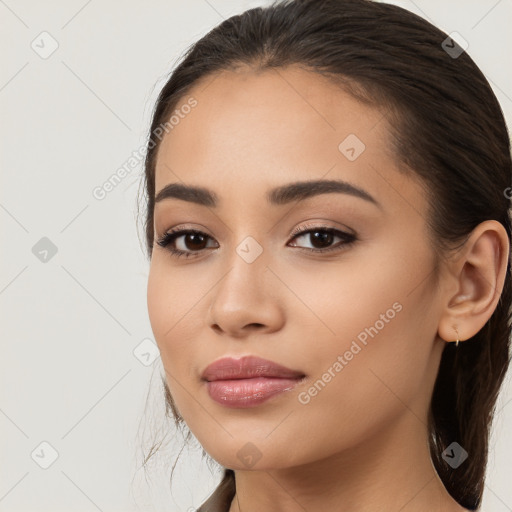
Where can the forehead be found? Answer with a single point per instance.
(253, 130)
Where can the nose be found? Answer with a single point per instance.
(245, 300)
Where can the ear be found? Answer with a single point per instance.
(474, 281)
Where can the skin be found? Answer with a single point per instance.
(360, 444)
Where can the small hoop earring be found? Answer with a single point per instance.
(457, 342)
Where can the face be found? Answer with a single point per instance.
(337, 286)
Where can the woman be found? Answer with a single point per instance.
(328, 195)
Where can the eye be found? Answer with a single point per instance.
(195, 238)
(194, 242)
(322, 237)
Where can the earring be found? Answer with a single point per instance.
(457, 342)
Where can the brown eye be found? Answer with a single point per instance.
(192, 242)
(321, 238)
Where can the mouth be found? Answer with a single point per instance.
(249, 381)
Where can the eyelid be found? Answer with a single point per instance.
(321, 224)
(185, 227)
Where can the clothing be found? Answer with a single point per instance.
(220, 499)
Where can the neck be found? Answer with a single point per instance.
(392, 471)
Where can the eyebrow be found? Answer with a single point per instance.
(284, 194)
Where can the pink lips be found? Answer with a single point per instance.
(248, 381)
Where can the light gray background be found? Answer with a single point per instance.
(70, 325)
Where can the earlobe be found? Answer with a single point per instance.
(479, 270)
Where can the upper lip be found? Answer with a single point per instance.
(247, 367)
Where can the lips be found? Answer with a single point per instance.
(248, 382)
(247, 367)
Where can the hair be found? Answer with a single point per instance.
(447, 130)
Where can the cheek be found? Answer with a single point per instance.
(376, 367)
(171, 296)
(167, 310)
(168, 300)
(158, 296)
(176, 301)
(366, 337)
(373, 386)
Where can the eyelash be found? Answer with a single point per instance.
(170, 236)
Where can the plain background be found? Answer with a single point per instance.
(73, 370)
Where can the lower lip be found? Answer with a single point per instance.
(248, 392)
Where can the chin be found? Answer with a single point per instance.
(245, 455)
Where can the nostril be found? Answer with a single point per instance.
(256, 325)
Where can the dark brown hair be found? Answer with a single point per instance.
(448, 131)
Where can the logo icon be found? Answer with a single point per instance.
(44, 455)
(351, 147)
(146, 352)
(454, 455)
(454, 45)
(44, 45)
(44, 250)
(249, 455)
(249, 249)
